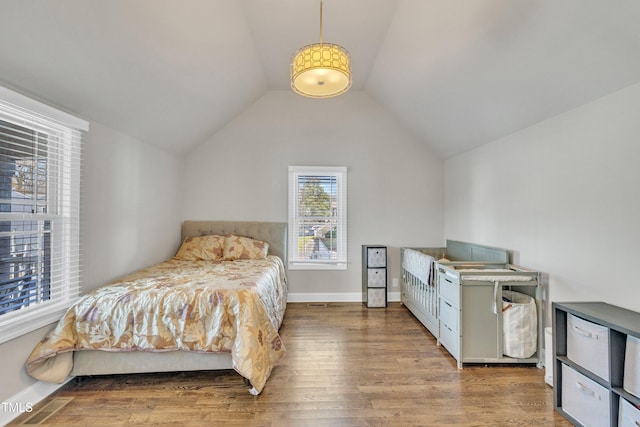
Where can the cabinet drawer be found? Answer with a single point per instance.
(377, 277)
(584, 399)
(376, 257)
(449, 288)
(632, 366)
(449, 339)
(588, 345)
(448, 315)
(376, 297)
(629, 415)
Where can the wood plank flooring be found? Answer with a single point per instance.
(346, 365)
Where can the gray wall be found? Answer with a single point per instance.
(564, 194)
(131, 218)
(395, 184)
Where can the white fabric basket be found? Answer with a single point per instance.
(628, 415)
(519, 325)
(588, 345)
(632, 366)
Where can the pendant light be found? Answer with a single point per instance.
(321, 70)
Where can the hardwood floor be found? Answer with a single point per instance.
(346, 365)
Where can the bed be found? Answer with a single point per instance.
(230, 319)
(466, 296)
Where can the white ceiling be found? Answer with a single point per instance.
(458, 73)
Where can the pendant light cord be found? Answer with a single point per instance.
(320, 23)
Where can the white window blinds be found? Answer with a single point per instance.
(317, 217)
(40, 159)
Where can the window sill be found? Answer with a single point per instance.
(19, 326)
(317, 266)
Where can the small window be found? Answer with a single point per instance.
(317, 218)
(39, 213)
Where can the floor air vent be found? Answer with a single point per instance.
(47, 411)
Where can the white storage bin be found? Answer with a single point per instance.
(629, 415)
(632, 366)
(584, 399)
(376, 297)
(519, 325)
(588, 345)
(377, 277)
(548, 355)
(376, 257)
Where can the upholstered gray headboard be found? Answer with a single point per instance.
(274, 233)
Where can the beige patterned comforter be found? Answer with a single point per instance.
(203, 306)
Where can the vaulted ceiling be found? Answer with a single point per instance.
(457, 73)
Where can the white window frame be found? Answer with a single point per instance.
(339, 259)
(63, 209)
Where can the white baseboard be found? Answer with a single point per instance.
(335, 297)
(25, 400)
(393, 296)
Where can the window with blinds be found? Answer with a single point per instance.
(40, 156)
(317, 218)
